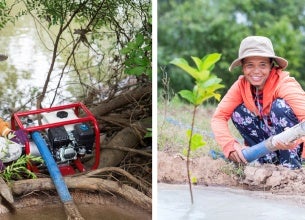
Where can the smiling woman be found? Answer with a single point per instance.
(256, 70)
(261, 103)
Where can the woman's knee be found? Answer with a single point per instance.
(282, 114)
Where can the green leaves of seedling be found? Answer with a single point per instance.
(183, 64)
(204, 66)
(196, 142)
(188, 95)
(206, 83)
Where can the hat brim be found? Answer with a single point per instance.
(3, 57)
(283, 63)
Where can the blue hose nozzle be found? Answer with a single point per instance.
(255, 152)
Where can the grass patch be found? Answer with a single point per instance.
(174, 119)
(233, 169)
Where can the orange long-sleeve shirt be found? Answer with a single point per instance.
(278, 85)
(4, 128)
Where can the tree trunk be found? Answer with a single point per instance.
(122, 100)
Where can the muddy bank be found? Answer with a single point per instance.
(275, 179)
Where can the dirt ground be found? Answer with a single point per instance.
(209, 172)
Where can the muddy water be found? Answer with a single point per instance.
(91, 205)
(29, 58)
(89, 212)
(215, 203)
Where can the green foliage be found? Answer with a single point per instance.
(59, 12)
(194, 180)
(148, 133)
(17, 170)
(234, 170)
(205, 83)
(139, 55)
(5, 14)
(196, 141)
(4, 17)
(190, 27)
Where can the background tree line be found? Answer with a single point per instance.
(200, 27)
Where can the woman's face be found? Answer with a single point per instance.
(256, 70)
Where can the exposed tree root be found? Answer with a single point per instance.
(88, 184)
(123, 172)
(142, 152)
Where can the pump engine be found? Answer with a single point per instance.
(67, 145)
(68, 136)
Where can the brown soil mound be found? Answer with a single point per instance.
(172, 169)
(207, 171)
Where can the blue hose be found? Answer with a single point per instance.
(255, 152)
(56, 176)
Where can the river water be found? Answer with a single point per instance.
(29, 59)
(215, 203)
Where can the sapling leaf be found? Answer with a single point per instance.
(188, 95)
(196, 141)
(194, 180)
(209, 60)
(198, 63)
(183, 64)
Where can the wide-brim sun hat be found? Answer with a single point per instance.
(3, 57)
(257, 46)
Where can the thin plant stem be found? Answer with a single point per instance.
(188, 155)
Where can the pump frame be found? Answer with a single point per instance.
(76, 107)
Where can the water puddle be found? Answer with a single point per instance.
(214, 203)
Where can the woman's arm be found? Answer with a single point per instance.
(223, 112)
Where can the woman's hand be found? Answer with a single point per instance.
(237, 155)
(287, 146)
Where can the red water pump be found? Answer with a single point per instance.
(70, 131)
